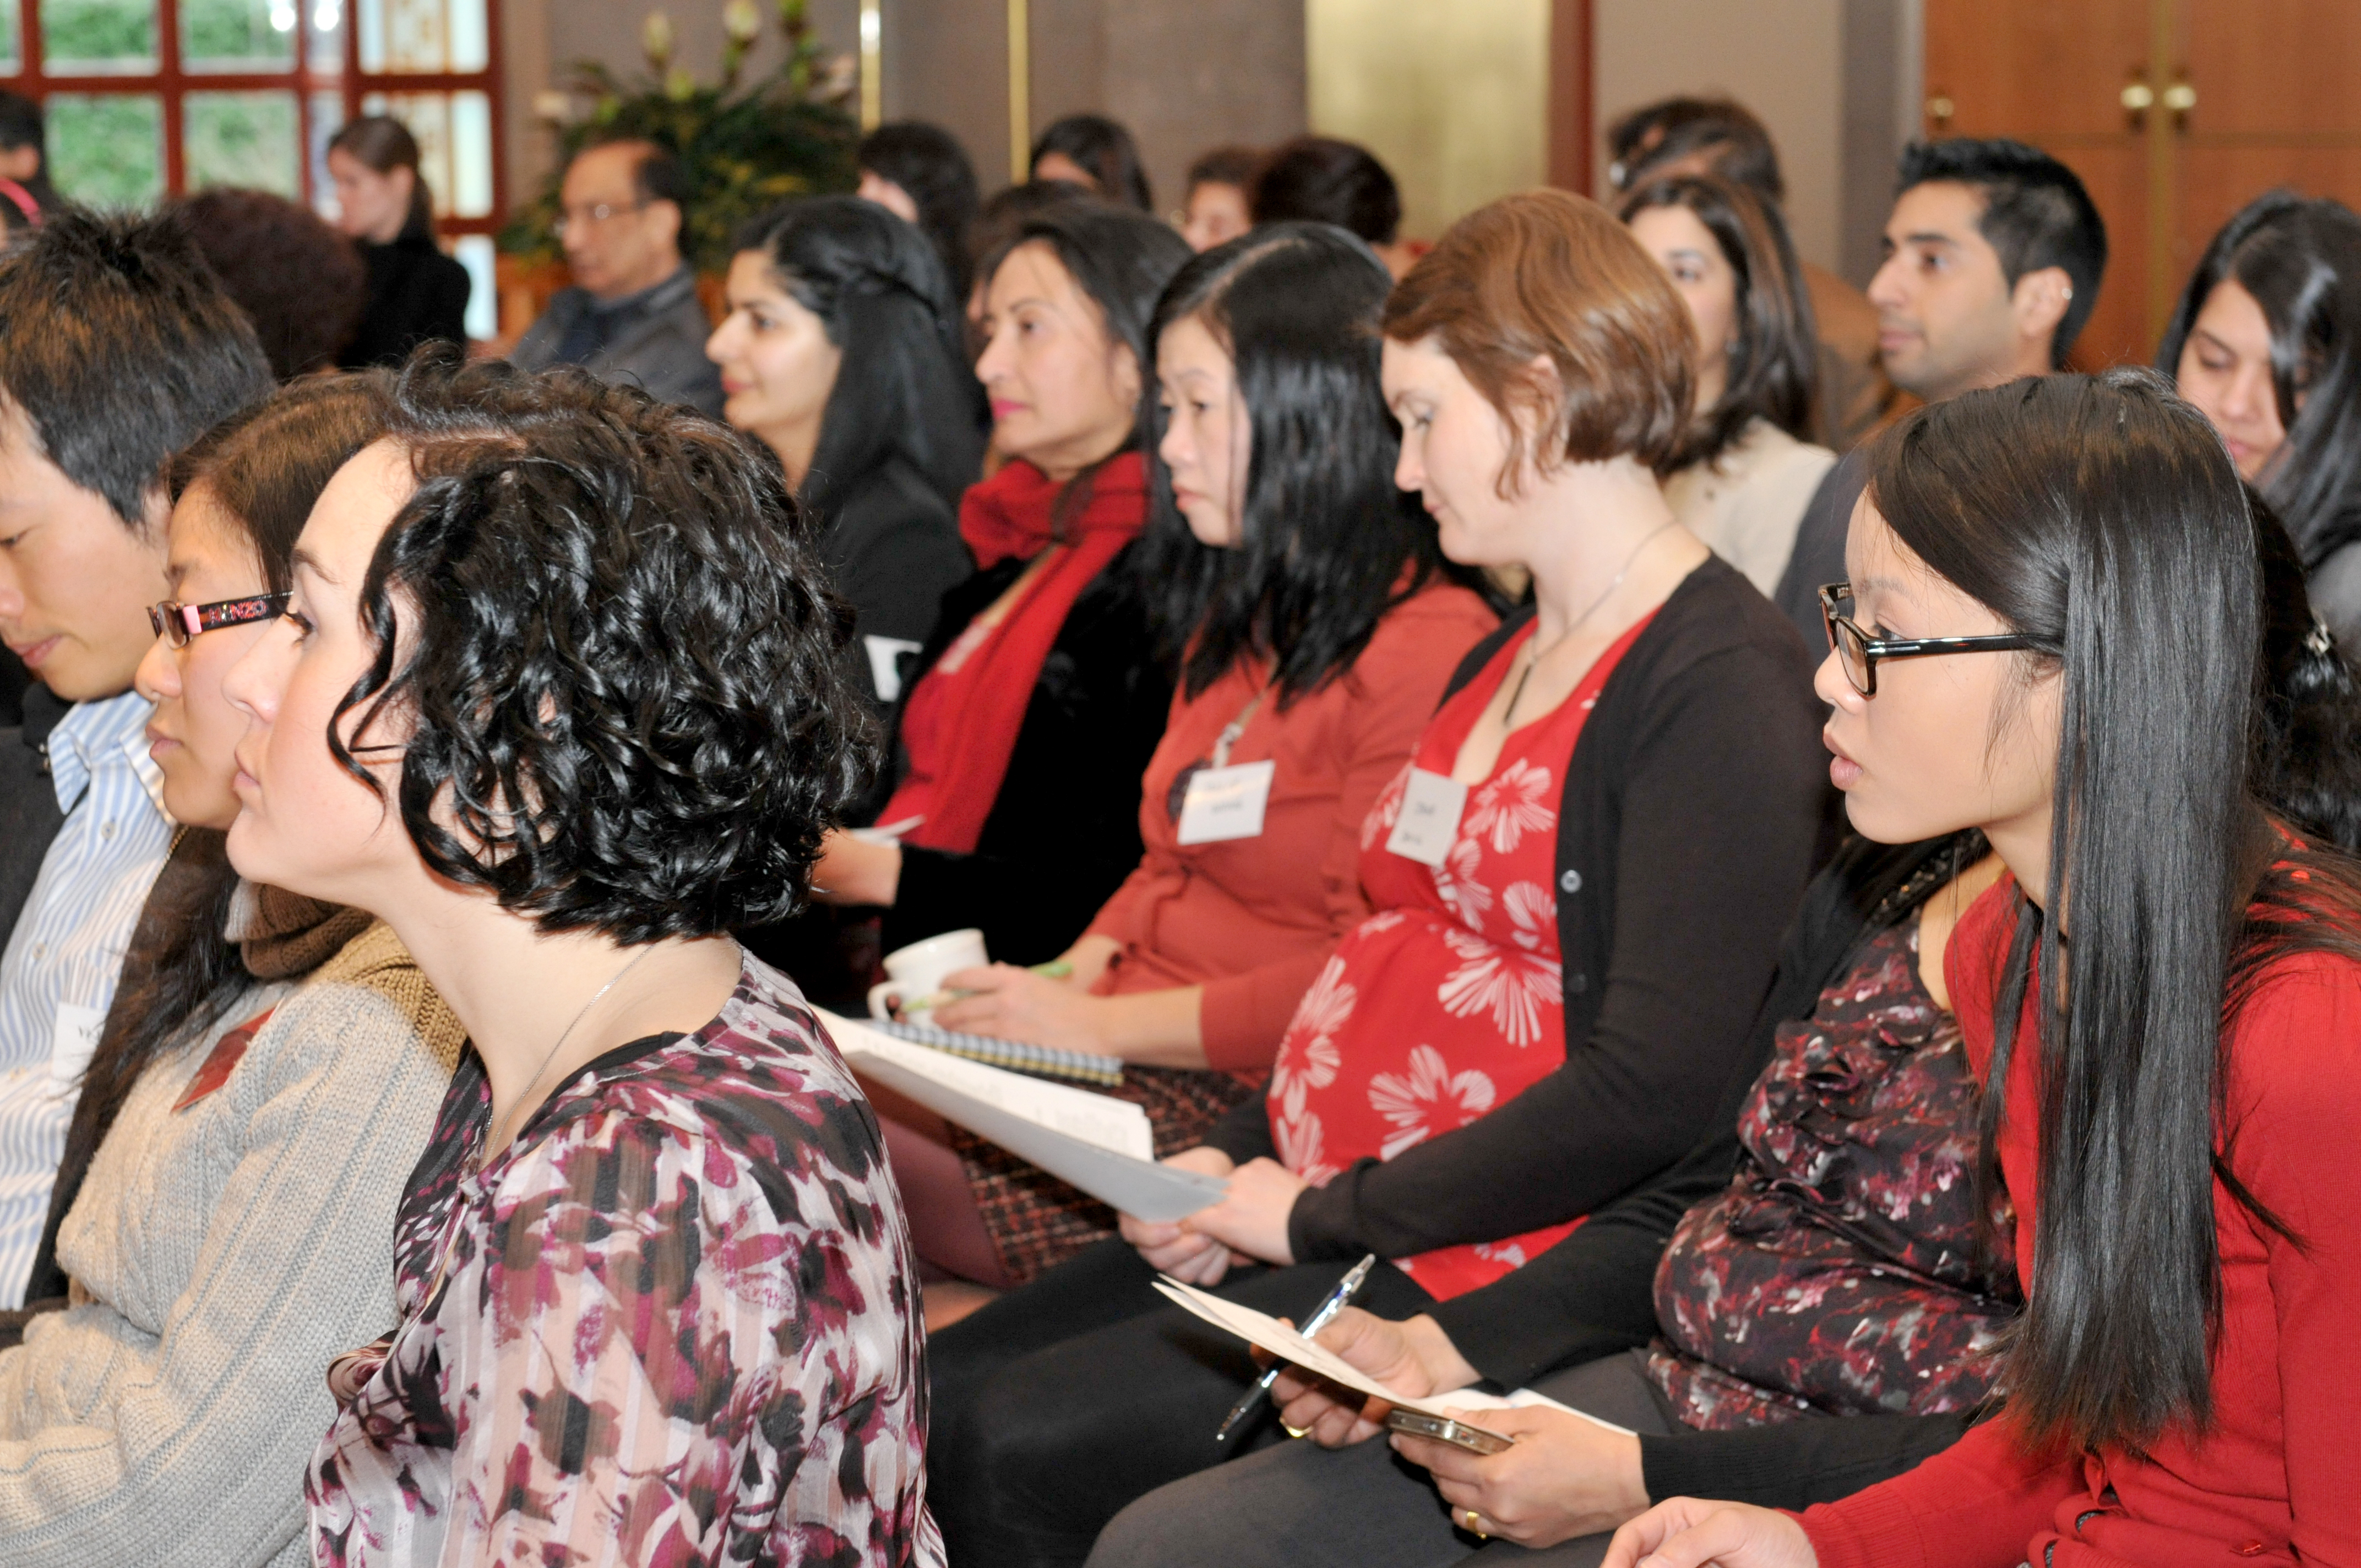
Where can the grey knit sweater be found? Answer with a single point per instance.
(221, 1255)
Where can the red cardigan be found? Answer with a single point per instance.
(1253, 919)
(2278, 1478)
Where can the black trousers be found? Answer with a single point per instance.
(1061, 1402)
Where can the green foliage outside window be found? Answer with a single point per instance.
(241, 139)
(108, 149)
(109, 34)
(227, 32)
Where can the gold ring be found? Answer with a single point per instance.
(1475, 1522)
(1292, 1431)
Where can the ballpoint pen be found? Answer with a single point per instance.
(1338, 1300)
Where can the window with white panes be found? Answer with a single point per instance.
(149, 98)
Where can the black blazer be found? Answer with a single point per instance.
(1064, 830)
(30, 817)
(1692, 817)
(416, 294)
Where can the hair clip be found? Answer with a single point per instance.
(2318, 641)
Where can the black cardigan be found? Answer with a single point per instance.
(892, 548)
(1594, 1293)
(1064, 830)
(416, 294)
(30, 817)
(1691, 819)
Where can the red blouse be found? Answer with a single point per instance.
(1252, 920)
(2277, 1477)
(1448, 1001)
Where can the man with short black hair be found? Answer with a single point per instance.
(118, 348)
(1320, 179)
(1994, 256)
(632, 313)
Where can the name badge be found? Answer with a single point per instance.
(885, 656)
(1225, 803)
(1429, 818)
(74, 1037)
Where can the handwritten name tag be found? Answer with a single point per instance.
(1429, 818)
(1225, 803)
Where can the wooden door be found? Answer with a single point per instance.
(2175, 113)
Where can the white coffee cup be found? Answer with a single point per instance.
(917, 971)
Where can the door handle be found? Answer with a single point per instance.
(2138, 97)
(2180, 97)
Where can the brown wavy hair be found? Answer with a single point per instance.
(1549, 274)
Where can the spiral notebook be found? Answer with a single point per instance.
(1016, 1055)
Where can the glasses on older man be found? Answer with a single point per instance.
(178, 623)
(1859, 652)
(587, 217)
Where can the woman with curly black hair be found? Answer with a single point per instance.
(557, 696)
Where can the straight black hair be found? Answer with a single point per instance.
(902, 389)
(1121, 259)
(1327, 543)
(2100, 516)
(264, 466)
(2308, 748)
(1104, 147)
(2035, 214)
(928, 163)
(1320, 180)
(2301, 261)
(121, 347)
(1775, 358)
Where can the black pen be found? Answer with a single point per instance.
(1338, 1300)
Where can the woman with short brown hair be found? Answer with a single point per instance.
(1576, 886)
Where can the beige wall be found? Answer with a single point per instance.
(1783, 58)
(1453, 98)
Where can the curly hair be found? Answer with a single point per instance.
(618, 663)
(298, 281)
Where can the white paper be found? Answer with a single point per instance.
(1269, 1333)
(73, 1040)
(1225, 803)
(1100, 1144)
(1429, 820)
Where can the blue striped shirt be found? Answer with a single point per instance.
(66, 953)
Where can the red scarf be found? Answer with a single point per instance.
(960, 725)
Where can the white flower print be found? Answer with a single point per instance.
(1514, 986)
(1383, 920)
(1379, 822)
(1308, 1057)
(1302, 1149)
(1456, 883)
(1509, 1253)
(1530, 910)
(1428, 1100)
(1509, 807)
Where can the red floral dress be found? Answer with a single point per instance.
(1447, 1002)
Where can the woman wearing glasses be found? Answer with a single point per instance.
(263, 1084)
(1577, 884)
(2163, 997)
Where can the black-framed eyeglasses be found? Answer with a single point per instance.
(178, 623)
(1859, 652)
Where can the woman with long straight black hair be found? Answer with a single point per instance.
(2267, 343)
(2051, 632)
(1306, 603)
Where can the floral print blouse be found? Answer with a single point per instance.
(675, 1322)
(1840, 1272)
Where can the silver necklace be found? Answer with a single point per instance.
(1510, 713)
(499, 1127)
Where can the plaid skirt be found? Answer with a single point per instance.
(1037, 1221)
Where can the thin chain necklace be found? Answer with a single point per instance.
(1508, 715)
(499, 1127)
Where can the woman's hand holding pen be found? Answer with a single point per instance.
(1252, 1218)
(1169, 1247)
(1415, 1358)
(1565, 1477)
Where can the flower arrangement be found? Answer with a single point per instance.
(742, 148)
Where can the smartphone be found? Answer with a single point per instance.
(1475, 1439)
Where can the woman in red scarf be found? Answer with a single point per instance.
(1012, 786)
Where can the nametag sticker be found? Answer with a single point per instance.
(1225, 803)
(1429, 822)
(222, 1061)
(74, 1037)
(885, 655)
